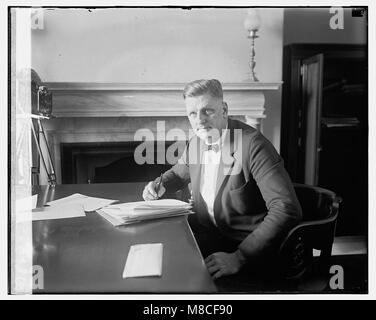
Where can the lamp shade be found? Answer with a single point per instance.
(252, 20)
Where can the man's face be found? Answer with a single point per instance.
(207, 115)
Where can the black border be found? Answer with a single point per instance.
(9, 251)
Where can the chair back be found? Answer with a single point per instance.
(315, 231)
(317, 203)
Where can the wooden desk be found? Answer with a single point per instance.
(87, 254)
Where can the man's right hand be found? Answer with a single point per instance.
(150, 193)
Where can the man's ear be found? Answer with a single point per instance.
(225, 108)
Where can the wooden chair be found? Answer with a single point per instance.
(316, 231)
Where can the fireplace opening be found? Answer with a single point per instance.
(107, 162)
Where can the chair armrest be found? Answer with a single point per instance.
(296, 250)
(309, 225)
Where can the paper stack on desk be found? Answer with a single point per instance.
(132, 212)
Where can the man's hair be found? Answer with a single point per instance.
(203, 86)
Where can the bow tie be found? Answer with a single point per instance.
(214, 147)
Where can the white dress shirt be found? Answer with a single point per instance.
(209, 173)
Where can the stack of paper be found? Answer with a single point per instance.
(132, 212)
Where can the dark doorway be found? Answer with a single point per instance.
(324, 129)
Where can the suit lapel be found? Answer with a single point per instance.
(227, 158)
(195, 158)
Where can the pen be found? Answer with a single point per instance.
(159, 184)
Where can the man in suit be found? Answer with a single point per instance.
(243, 197)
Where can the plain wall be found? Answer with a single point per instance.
(311, 25)
(160, 45)
(154, 45)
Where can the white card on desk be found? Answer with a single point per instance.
(144, 260)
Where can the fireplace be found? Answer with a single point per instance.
(92, 133)
(107, 162)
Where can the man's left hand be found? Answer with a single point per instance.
(221, 263)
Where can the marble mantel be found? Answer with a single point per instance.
(113, 112)
(80, 99)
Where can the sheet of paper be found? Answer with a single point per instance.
(26, 204)
(144, 260)
(69, 199)
(89, 203)
(58, 212)
(51, 213)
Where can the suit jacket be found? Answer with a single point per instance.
(255, 201)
